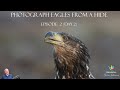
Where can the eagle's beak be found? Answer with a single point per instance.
(53, 38)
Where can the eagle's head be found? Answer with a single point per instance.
(70, 55)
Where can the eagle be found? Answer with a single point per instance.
(71, 56)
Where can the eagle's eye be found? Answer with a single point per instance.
(64, 36)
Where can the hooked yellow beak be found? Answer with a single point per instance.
(53, 38)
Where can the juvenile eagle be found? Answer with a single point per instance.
(70, 55)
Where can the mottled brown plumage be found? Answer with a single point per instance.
(70, 55)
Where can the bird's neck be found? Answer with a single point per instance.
(70, 66)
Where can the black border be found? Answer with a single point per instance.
(49, 5)
(59, 9)
(58, 84)
(61, 84)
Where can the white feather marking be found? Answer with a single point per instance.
(82, 43)
(81, 47)
(57, 75)
(68, 75)
(59, 61)
(87, 67)
(63, 77)
(91, 76)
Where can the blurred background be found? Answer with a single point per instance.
(24, 52)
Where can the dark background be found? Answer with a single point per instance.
(24, 52)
